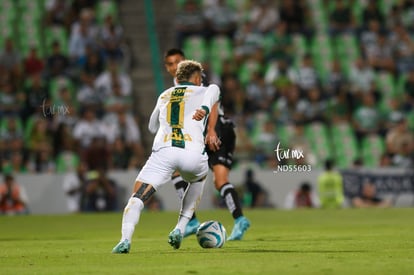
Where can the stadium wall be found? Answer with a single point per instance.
(46, 195)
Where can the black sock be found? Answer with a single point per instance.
(181, 186)
(230, 196)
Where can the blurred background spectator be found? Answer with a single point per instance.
(368, 197)
(255, 195)
(330, 187)
(13, 198)
(73, 185)
(302, 197)
(100, 192)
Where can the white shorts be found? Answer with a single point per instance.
(163, 163)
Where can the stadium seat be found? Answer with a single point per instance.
(195, 47)
(4, 122)
(6, 5)
(8, 16)
(410, 119)
(56, 33)
(8, 13)
(344, 144)
(238, 4)
(180, 3)
(28, 37)
(386, 84)
(258, 120)
(6, 31)
(219, 50)
(284, 134)
(386, 5)
(66, 162)
(372, 148)
(104, 8)
(300, 44)
(400, 89)
(31, 10)
(347, 51)
(247, 69)
(322, 53)
(318, 136)
(56, 83)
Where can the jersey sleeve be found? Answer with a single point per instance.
(212, 95)
(154, 123)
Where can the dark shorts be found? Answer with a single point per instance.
(227, 136)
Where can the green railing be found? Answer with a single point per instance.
(154, 45)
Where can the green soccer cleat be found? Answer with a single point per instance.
(191, 227)
(122, 247)
(175, 238)
(241, 224)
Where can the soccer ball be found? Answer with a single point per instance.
(211, 234)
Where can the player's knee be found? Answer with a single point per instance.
(144, 192)
(220, 178)
(219, 183)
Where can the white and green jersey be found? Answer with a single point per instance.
(172, 118)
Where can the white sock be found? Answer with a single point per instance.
(189, 203)
(130, 217)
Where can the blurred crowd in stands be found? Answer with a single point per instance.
(333, 78)
(65, 88)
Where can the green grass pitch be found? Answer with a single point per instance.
(348, 241)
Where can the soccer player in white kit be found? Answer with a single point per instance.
(179, 120)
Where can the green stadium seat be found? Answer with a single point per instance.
(386, 5)
(259, 119)
(300, 44)
(347, 51)
(400, 89)
(56, 83)
(28, 127)
(284, 134)
(6, 5)
(321, 44)
(104, 8)
(318, 136)
(238, 4)
(386, 84)
(220, 49)
(180, 3)
(410, 119)
(344, 144)
(56, 33)
(67, 162)
(347, 45)
(195, 47)
(28, 37)
(6, 31)
(247, 69)
(322, 23)
(31, 10)
(4, 123)
(314, 3)
(357, 10)
(8, 15)
(372, 148)
(322, 53)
